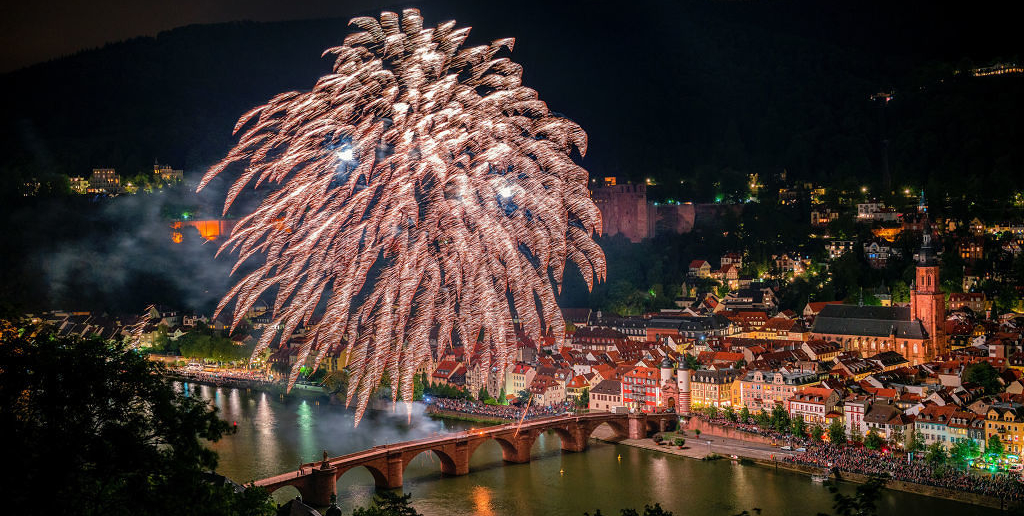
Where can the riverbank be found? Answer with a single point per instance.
(464, 416)
(766, 456)
(277, 389)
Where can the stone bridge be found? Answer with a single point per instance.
(317, 481)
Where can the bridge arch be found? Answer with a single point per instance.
(568, 441)
(380, 478)
(510, 451)
(652, 426)
(619, 428)
(446, 460)
(284, 492)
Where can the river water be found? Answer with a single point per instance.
(275, 436)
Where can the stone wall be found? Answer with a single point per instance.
(721, 431)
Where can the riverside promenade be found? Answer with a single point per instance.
(763, 454)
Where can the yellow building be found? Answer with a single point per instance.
(719, 388)
(762, 390)
(1008, 424)
(335, 360)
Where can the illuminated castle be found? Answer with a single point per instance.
(210, 230)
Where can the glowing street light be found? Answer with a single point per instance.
(863, 189)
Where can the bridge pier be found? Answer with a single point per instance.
(521, 452)
(319, 486)
(663, 425)
(395, 468)
(459, 464)
(577, 443)
(637, 425)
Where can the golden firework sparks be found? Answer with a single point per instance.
(419, 187)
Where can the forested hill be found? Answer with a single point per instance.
(709, 91)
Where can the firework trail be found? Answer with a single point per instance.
(420, 189)
(135, 329)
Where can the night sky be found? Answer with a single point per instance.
(701, 91)
(664, 89)
(32, 32)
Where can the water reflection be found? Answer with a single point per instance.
(304, 422)
(482, 501)
(274, 436)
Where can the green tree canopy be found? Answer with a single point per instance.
(387, 503)
(799, 428)
(837, 433)
(982, 373)
(584, 399)
(93, 426)
(816, 432)
(873, 441)
(936, 454)
(964, 451)
(995, 446)
(917, 442)
(780, 419)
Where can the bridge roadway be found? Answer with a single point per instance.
(317, 481)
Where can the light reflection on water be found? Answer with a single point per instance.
(274, 436)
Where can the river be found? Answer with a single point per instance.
(274, 436)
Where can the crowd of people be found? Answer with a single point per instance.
(892, 465)
(898, 467)
(223, 377)
(510, 412)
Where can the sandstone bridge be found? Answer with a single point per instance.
(317, 481)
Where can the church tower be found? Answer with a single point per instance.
(927, 302)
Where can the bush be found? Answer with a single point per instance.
(658, 438)
(680, 442)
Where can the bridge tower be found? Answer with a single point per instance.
(683, 374)
(321, 485)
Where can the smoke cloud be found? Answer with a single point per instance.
(117, 255)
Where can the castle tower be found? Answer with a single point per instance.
(684, 387)
(927, 302)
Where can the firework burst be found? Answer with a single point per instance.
(420, 190)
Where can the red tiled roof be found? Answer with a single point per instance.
(816, 306)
